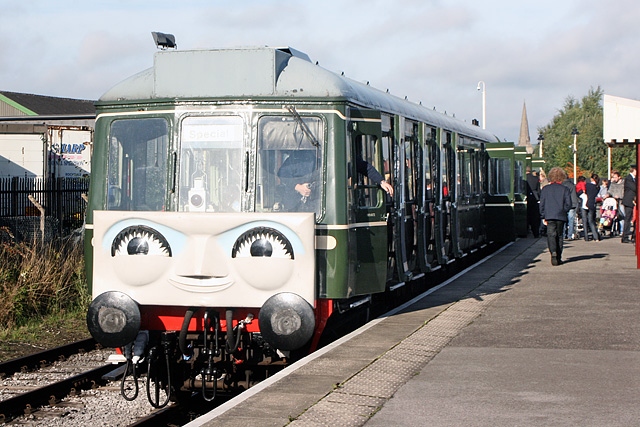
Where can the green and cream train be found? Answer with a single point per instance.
(236, 205)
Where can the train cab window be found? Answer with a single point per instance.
(499, 176)
(211, 164)
(137, 165)
(290, 164)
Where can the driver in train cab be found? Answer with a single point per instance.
(299, 173)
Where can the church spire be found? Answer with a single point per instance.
(525, 140)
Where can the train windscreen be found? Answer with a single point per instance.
(290, 164)
(137, 165)
(211, 164)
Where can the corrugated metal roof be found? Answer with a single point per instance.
(18, 104)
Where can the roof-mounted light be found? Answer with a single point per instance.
(164, 41)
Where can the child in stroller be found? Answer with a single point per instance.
(608, 214)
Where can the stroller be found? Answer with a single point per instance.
(608, 215)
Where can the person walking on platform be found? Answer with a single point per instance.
(591, 190)
(555, 202)
(629, 201)
(533, 195)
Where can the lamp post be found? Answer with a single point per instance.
(575, 134)
(484, 103)
(540, 139)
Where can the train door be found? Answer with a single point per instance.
(499, 203)
(478, 159)
(426, 173)
(521, 159)
(405, 236)
(398, 268)
(368, 226)
(469, 205)
(439, 192)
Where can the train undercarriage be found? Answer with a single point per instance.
(179, 363)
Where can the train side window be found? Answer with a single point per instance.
(430, 170)
(499, 176)
(476, 178)
(368, 149)
(387, 144)
(410, 139)
(520, 184)
(447, 186)
(428, 179)
(465, 173)
(290, 164)
(137, 165)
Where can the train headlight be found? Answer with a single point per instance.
(198, 196)
(113, 319)
(286, 321)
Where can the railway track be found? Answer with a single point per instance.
(72, 385)
(46, 357)
(26, 402)
(50, 385)
(46, 377)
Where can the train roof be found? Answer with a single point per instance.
(265, 72)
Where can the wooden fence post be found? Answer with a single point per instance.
(41, 209)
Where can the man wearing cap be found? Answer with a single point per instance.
(629, 201)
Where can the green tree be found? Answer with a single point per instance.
(587, 117)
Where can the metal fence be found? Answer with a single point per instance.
(56, 204)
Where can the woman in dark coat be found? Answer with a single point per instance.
(555, 202)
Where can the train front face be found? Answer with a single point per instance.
(195, 210)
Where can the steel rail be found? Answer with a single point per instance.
(26, 403)
(43, 358)
(183, 412)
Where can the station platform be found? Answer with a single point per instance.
(510, 341)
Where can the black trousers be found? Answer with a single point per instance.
(533, 218)
(555, 240)
(626, 230)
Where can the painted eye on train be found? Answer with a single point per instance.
(262, 242)
(140, 240)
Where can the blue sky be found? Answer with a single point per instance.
(432, 51)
